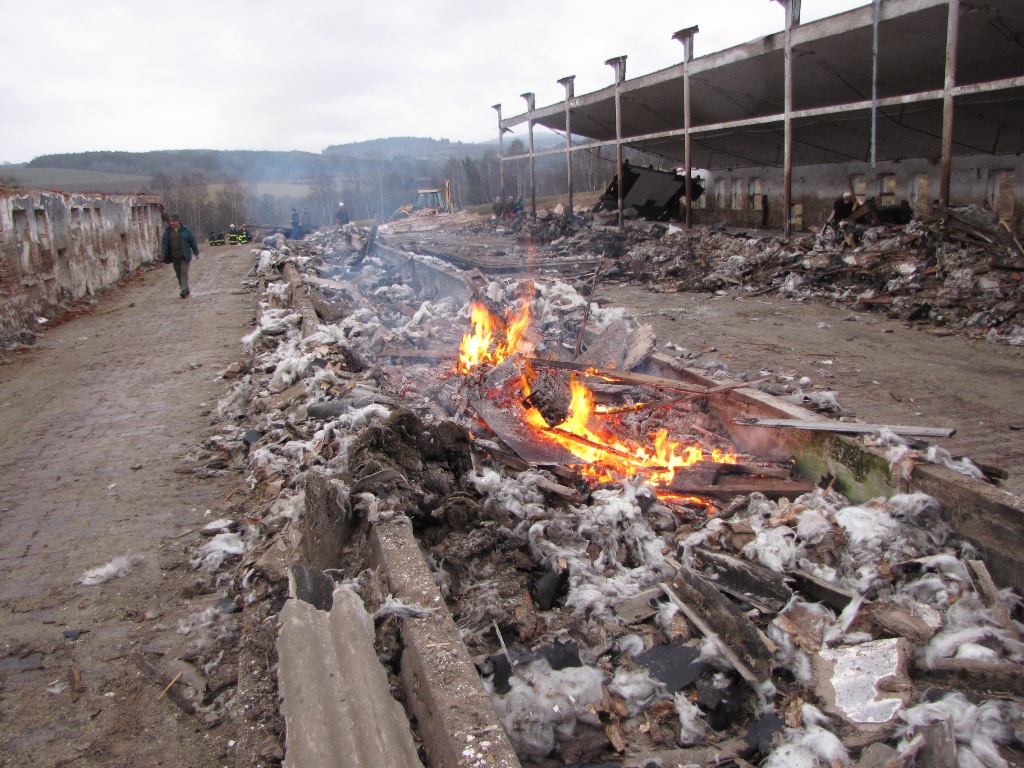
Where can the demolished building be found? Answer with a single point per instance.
(899, 99)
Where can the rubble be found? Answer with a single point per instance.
(959, 270)
(606, 624)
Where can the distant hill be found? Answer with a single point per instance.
(408, 146)
(212, 163)
(264, 165)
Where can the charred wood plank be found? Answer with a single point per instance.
(551, 396)
(993, 677)
(763, 584)
(729, 488)
(846, 427)
(715, 615)
(519, 436)
(172, 687)
(986, 587)
(723, 468)
(939, 750)
(819, 590)
(632, 378)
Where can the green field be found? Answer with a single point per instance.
(63, 180)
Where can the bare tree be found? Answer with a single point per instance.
(323, 195)
(231, 204)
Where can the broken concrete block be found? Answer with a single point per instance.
(865, 685)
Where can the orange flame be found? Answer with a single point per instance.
(606, 457)
(493, 340)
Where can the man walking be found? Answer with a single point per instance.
(177, 247)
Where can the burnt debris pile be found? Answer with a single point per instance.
(609, 620)
(961, 270)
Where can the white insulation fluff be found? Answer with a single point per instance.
(692, 728)
(213, 553)
(978, 729)
(637, 688)
(117, 568)
(809, 747)
(544, 705)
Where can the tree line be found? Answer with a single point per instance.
(373, 184)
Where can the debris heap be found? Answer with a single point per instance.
(609, 623)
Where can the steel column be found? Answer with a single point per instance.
(501, 157)
(568, 83)
(792, 19)
(876, 14)
(619, 65)
(685, 36)
(952, 43)
(530, 105)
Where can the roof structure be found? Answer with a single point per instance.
(842, 109)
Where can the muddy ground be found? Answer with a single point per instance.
(882, 371)
(96, 423)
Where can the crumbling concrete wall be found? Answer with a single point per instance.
(992, 182)
(56, 247)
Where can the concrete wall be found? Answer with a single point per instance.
(993, 182)
(57, 247)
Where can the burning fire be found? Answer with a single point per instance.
(606, 457)
(492, 339)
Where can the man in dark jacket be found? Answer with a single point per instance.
(177, 246)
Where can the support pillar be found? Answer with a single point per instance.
(792, 20)
(685, 36)
(501, 157)
(876, 17)
(568, 83)
(530, 105)
(952, 43)
(619, 65)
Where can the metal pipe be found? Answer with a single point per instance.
(530, 104)
(685, 36)
(952, 43)
(568, 83)
(619, 65)
(501, 157)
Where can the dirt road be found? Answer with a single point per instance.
(883, 371)
(94, 424)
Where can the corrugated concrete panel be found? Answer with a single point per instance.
(336, 701)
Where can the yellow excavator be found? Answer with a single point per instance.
(428, 202)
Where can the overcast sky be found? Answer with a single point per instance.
(134, 75)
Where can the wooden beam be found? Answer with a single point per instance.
(848, 428)
(626, 376)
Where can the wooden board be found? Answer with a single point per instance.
(848, 428)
